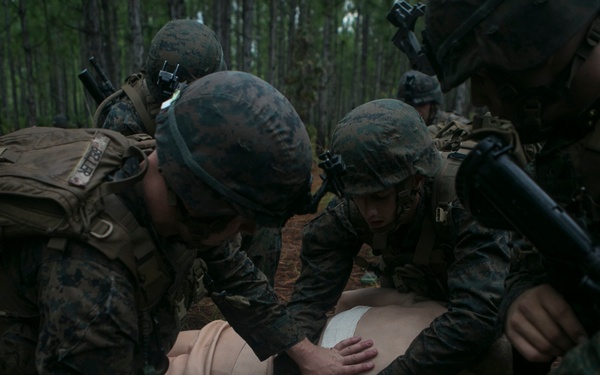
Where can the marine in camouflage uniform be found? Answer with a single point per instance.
(387, 151)
(424, 93)
(76, 310)
(193, 50)
(185, 48)
(536, 64)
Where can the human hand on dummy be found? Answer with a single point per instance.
(348, 357)
(541, 325)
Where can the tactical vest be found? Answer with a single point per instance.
(435, 226)
(448, 130)
(138, 92)
(53, 183)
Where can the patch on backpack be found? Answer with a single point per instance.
(84, 171)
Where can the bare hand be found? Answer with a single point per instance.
(541, 325)
(348, 357)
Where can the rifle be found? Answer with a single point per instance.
(404, 16)
(91, 86)
(334, 167)
(98, 92)
(501, 195)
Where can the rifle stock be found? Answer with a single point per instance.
(91, 86)
(501, 195)
(98, 92)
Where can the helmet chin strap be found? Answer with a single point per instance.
(404, 203)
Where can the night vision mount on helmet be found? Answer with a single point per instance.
(182, 51)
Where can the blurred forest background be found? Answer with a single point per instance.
(327, 57)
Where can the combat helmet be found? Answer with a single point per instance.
(418, 88)
(383, 142)
(186, 49)
(461, 36)
(235, 135)
(507, 36)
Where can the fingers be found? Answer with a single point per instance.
(533, 348)
(352, 345)
(356, 369)
(355, 351)
(567, 322)
(347, 342)
(541, 325)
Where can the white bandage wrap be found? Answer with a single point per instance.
(342, 326)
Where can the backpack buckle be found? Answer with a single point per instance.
(102, 229)
(440, 215)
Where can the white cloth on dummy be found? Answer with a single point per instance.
(342, 326)
(217, 350)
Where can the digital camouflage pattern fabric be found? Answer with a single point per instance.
(265, 132)
(187, 43)
(511, 37)
(186, 48)
(418, 88)
(384, 142)
(67, 304)
(263, 247)
(476, 260)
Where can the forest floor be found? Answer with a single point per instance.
(287, 271)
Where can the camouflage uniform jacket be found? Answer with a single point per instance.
(42, 288)
(119, 112)
(476, 263)
(562, 168)
(123, 117)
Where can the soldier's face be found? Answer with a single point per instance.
(424, 110)
(378, 209)
(484, 93)
(486, 84)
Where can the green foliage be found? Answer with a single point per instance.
(326, 64)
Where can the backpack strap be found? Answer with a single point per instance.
(103, 108)
(443, 193)
(425, 244)
(134, 247)
(132, 89)
(119, 185)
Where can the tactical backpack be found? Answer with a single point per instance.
(53, 183)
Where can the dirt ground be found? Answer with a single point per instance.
(287, 272)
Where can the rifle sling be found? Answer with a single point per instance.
(141, 109)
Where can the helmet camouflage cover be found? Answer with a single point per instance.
(192, 45)
(382, 143)
(461, 36)
(418, 88)
(238, 135)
